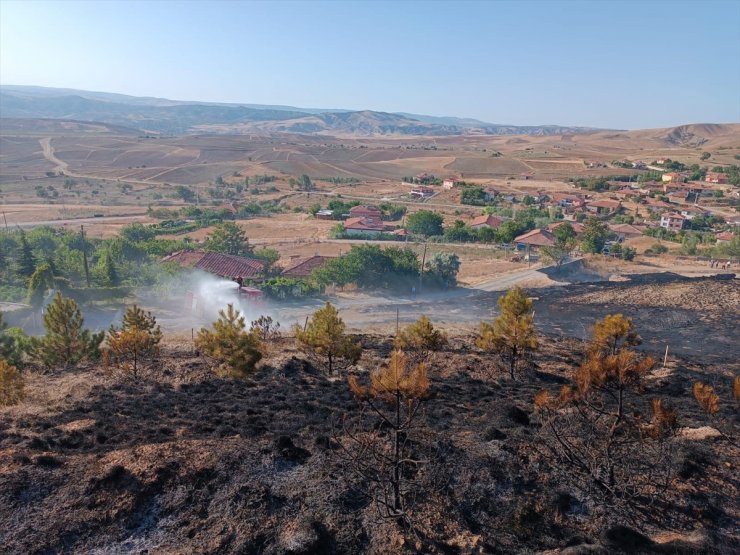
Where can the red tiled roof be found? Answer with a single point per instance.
(368, 224)
(537, 238)
(365, 210)
(725, 236)
(605, 204)
(489, 220)
(626, 229)
(303, 267)
(223, 265)
(577, 227)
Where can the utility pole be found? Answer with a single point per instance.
(421, 270)
(6, 221)
(84, 255)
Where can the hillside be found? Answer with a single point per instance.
(178, 117)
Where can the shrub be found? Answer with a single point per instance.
(235, 350)
(265, 328)
(324, 341)
(11, 385)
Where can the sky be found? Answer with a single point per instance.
(620, 65)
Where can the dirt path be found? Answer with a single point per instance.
(61, 166)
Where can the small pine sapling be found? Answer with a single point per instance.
(323, 339)
(234, 350)
(512, 334)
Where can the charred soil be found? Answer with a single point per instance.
(185, 462)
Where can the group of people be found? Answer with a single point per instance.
(719, 264)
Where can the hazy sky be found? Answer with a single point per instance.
(628, 64)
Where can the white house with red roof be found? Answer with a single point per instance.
(672, 221)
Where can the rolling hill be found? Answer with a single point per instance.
(178, 117)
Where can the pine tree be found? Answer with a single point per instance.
(230, 345)
(26, 260)
(420, 339)
(137, 340)
(136, 318)
(109, 270)
(512, 334)
(324, 340)
(66, 342)
(395, 394)
(595, 427)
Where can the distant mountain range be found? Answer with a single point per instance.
(175, 117)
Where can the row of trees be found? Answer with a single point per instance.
(371, 266)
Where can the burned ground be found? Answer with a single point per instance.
(187, 462)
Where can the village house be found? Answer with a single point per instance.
(487, 220)
(365, 211)
(724, 237)
(577, 226)
(325, 214)
(223, 265)
(567, 201)
(450, 182)
(672, 221)
(715, 177)
(691, 212)
(422, 192)
(369, 226)
(626, 231)
(302, 267)
(673, 177)
(536, 238)
(693, 188)
(656, 204)
(604, 207)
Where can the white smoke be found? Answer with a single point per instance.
(210, 294)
